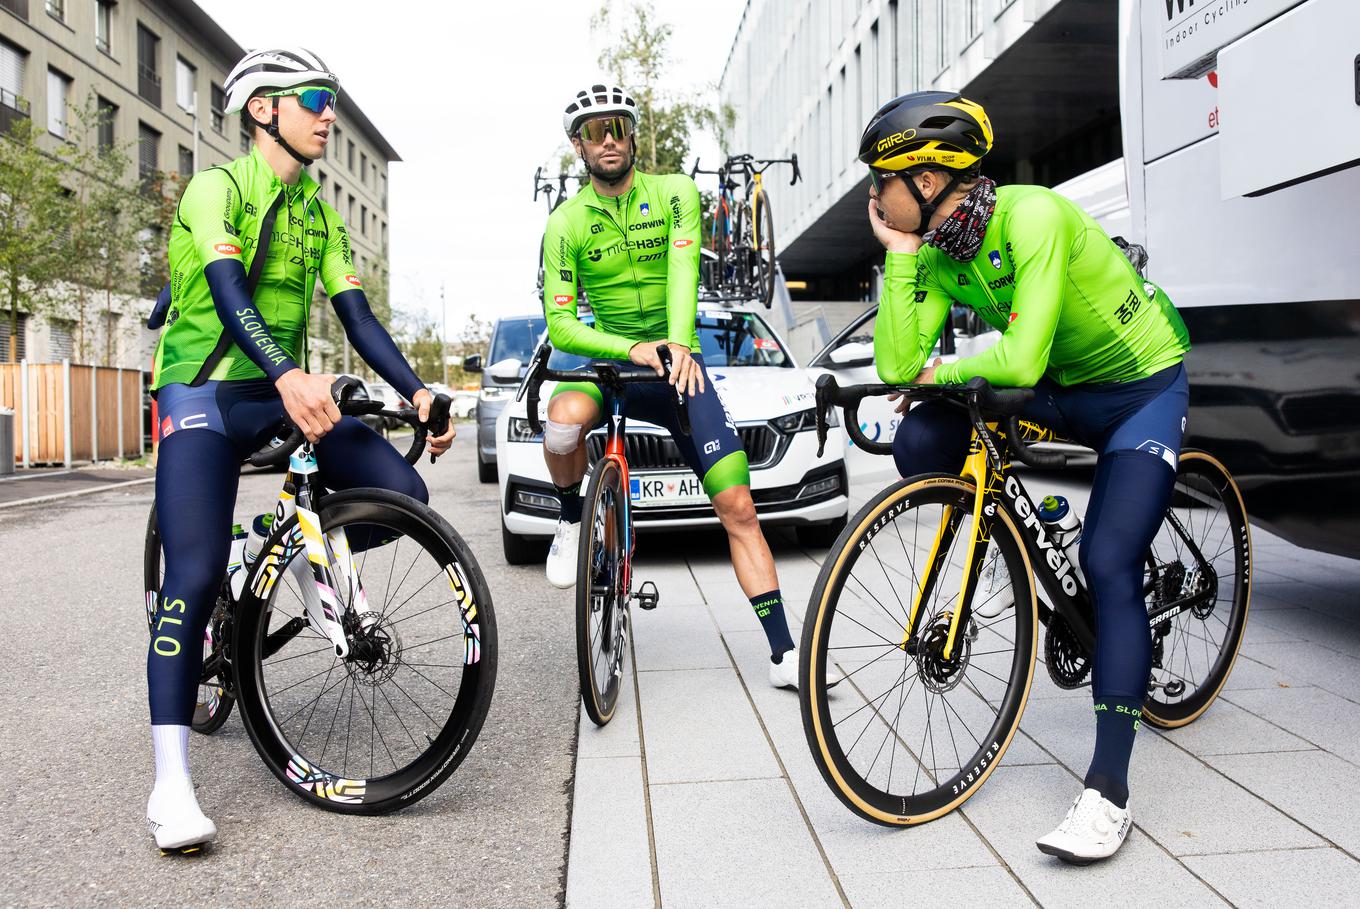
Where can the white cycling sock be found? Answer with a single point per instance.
(171, 744)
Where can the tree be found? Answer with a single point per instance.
(34, 212)
(638, 55)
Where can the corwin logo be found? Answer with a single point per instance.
(995, 258)
(563, 299)
(1055, 557)
(1003, 281)
(227, 249)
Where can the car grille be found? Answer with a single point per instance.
(655, 451)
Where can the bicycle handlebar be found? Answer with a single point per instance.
(607, 374)
(747, 164)
(276, 455)
(977, 394)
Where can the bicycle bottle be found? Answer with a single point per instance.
(1064, 525)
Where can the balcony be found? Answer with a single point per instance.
(17, 7)
(12, 108)
(148, 84)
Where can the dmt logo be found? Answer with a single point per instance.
(227, 249)
(563, 299)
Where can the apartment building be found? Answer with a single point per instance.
(155, 68)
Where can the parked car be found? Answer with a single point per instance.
(364, 392)
(512, 338)
(391, 398)
(768, 397)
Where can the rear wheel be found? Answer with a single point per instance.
(486, 472)
(1200, 559)
(602, 593)
(762, 244)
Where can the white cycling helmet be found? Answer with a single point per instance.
(597, 101)
(275, 68)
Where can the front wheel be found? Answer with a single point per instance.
(382, 727)
(1200, 559)
(762, 245)
(912, 728)
(602, 592)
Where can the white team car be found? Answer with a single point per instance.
(768, 397)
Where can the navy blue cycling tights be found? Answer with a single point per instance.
(212, 429)
(1136, 429)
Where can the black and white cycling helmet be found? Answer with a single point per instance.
(598, 101)
(275, 68)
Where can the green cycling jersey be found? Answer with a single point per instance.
(219, 217)
(1069, 303)
(636, 256)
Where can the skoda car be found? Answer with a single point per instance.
(768, 396)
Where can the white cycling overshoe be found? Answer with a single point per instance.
(562, 555)
(174, 818)
(1094, 829)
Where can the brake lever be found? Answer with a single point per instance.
(438, 422)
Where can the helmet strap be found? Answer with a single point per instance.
(272, 128)
(928, 207)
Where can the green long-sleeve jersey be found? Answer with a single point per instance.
(1068, 302)
(637, 258)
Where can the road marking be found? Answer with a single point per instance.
(36, 476)
(77, 492)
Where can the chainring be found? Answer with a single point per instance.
(1068, 665)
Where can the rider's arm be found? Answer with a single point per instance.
(362, 327)
(911, 312)
(565, 330)
(682, 260)
(1042, 241)
(201, 208)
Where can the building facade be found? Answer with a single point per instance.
(154, 70)
(804, 76)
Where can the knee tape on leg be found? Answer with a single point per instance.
(561, 438)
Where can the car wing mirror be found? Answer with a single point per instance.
(506, 370)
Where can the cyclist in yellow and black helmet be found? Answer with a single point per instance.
(1101, 346)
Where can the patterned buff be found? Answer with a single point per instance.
(960, 236)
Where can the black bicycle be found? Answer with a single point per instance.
(554, 190)
(363, 677)
(926, 612)
(742, 234)
(604, 568)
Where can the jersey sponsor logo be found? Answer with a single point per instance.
(995, 258)
(1013, 317)
(712, 446)
(594, 229)
(595, 255)
(354, 280)
(681, 244)
(563, 299)
(677, 219)
(1153, 447)
(1003, 281)
(963, 280)
(647, 225)
(227, 249)
(565, 274)
(920, 296)
(645, 209)
(1127, 309)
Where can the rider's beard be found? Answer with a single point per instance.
(615, 173)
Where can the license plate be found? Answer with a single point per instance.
(661, 490)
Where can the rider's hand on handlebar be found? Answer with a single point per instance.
(308, 402)
(421, 401)
(927, 375)
(685, 372)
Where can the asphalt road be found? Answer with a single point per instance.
(76, 744)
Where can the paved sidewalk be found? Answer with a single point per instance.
(701, 792)
(36, 485)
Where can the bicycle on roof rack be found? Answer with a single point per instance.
(742, 234)
(554, 189)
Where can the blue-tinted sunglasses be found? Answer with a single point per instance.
(315, 100)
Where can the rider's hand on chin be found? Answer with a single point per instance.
(893, 240)
(308, 402)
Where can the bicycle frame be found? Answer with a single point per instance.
(614, 451)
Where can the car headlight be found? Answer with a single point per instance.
(519, 430)
(491, 393)
(803, 421)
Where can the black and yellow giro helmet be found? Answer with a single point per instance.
(932, 129)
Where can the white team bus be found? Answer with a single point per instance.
(1241, 136)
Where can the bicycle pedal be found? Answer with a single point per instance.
(647, 596)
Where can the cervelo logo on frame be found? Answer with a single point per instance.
(563, 299)
(227, 249)
(681, 244)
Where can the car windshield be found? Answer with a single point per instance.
(515, 339)
(726, 339)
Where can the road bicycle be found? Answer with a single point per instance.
(554, 189)
(742, 233)
(926, 612)
(360, 644)
(604, 567)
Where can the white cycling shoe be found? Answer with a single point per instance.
(562, 555)
(1094, 829)
(175, 820)
(784, 674)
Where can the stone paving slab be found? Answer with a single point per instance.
(1318, 790)
(699, 726)
(609, 861)
(990, 886)
(1316, 878)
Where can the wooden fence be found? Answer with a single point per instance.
(66, 413)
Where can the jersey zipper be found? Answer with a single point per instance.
(986, 292)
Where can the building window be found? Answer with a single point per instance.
(186, 161)
(21, 348)
(941, 36)
(13, 105)
(148, 66)
(56, 9)
(349, 213)
(349, 156)
(363, 168)
(337, 197)
(60, 335)
(107, 115)
(972, 18)
(185, 74)
(103, 25)
(363, 220)
(219, 104)
(148, 151)
(384, 237)
(383, 197)
(58, 90)
(334, 143)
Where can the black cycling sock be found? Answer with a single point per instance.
(570, 496)
(769, 609)
(1117, 722)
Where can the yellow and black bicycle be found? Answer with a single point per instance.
(926, 616)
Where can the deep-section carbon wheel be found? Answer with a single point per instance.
(763, 244)
(383, 726)
(912, 728)
(602, 592)
(1198, 585)
(216, 693)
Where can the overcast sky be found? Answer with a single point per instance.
(471, 97)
